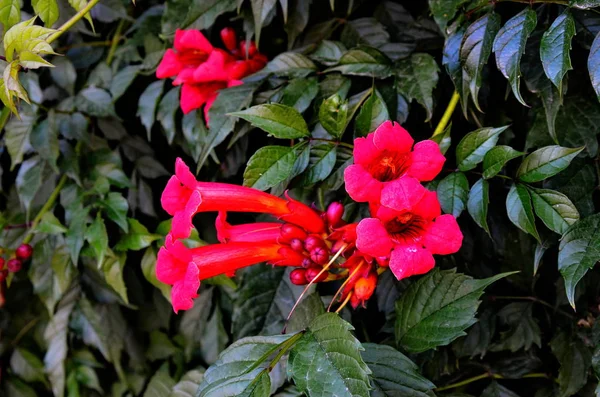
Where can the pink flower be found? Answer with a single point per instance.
(184, 197)
(184, 268)
(408, 228)
(385, 156)
(250, 232)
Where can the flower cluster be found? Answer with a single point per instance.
(202, 69)
(405, 230)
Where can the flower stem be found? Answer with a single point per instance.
(344, 144)
(74, 19)
(45, 208)
(115, 41)
(447, 114)
(488, 375)
(344, 303)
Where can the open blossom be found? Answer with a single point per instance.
(408, 228)
(202, 69)
(385, 156)
(184, 197)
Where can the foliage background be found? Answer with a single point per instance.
(87, 316)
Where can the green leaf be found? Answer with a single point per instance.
(372, 114)
(579, 250)
(509, 45)
(333, 115)
(477, 203)
(214, 338)
(496, 159)
(555, 48)
(27, 366)
(97, 236)
(474, 53)
(451, 58)
(75, 235)
(161, 383)
(453, 192)
(579, 183)
(394, 374)
(202, 14)
(546, 162)
(147, 104)
(239, 365)
(188, 384)
(578, 124)
(554, 209)
(95, 102)
(122, 80)
(166, 113)
(136, 238)
(364, 61)
(112, 267)
(49, 224)
(364, 31)
(63, 73)
(291, 64)
(417, 77)
(322, 161)
(281, 121)
(575, 360)
(523, 331)
(474, 146)
(328, 347)
(148, 265)
(299, 93)
(585, 4)
(79, 5)
(47, 10)
(116, 208)
(497, 390)
(520, 210)
(29, 181)
(10, 13)
(437, 309)
(269, 166)
(44, 140)
(444, 10)
(329, 52)
(16, 136)
(261, 10)
(444, 140)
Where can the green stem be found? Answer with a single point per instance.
(533, 299)
(447, 114)
(488, 375)
(344, 144)
(45, 208)
(74, 19)
(115, 41)
(287, 345)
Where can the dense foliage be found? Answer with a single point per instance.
(509, 90)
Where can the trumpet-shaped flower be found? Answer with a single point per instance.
(385, 156)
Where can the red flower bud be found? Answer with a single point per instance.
(307, 262)
(251, 49)
(3, 275)
(24, 251)
(289, 232)
(229, 38)
(1, 263)
(313, 272)
(364, 287)
(14, 265)
(298, 277)
(335, 211)
(297, 245)
(313, 242)
(319, 255)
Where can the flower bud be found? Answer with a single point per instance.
(14, 265)
(1, 263)
(313, 272)
(250, 49)
(365, 286)
(335, 211)
(289, 232)
(319, 255)
(24, 251)
(229, 38)
(307, 262)
(297, 245)
(313, 242)
(298, 277)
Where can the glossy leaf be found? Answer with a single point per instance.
(417, 77)
(47, 10)
(575, 359)
(269, 166)
(478, 202)
(333, 115)
(364, 61)
(520, 209)
(261, 10)
(556, 46)
(474, 146)
(372, 114)
(546, 162)
(136, 238)
(10, 13)
(453, 192)
(291, 64)
(281, 121)
(523, 331)
(299, 93)
(147, 104)
(322, 161)
(95, 102)
(497, 158)
(554, 209)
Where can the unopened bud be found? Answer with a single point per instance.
(1, 263)
(289, 232)
(319, 255)
(365, 286)
(313, 272)
(229, 38)
(335, 211)
(24, 251)
(13, 265)
(297, 245)
(313, 242)
(247, 49)
(298, 277)
(383, 261)
(307, 262)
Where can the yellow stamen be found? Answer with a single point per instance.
(339, 309)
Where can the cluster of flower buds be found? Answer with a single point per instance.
(15, 263)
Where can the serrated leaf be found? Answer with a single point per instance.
(474, 146)
(95, 102)
(299, 93)
(329, 52)
(554, 209)
(188, 384)
(393, 374)
(546, 162)
(453, 192)
(474, 53)
(17, 133)
(437, 309)
(523, 331)
(496, 159)
(333, 115)
(417, 77)
(575, 360)
(322, 161)
(147, 104)
(79, 5)
(269, 166)
(555, 48)
(97, 237)
(10, 13)
(281, 121)
(291, 64)
(47, 10)
(328, 347)
(137, 238)
(520, 209)
(364, 31)
(477, 203)
(364, 61)
(201, 14)
(579, 250)
(116, 208)
(509, 45)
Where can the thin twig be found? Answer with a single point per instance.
(447, 114)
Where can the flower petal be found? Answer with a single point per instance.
(213, 69)
(372, 238)
(391, 136)
(361, 185)
(427, 161)
(402, 194)
(175, 196)
(364, 150)
(186, 289)
(172, 261)
(182, 220)
(193, 96)
(443, 236)
(429, 206)
(169, 66)
(191, 40)
(410, 260)
(182, 171)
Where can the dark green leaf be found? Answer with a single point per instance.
(333, 115)
(95, 102)
(299, 93)
(214, 337)
(49, 224)
(478, 203)
(29, 180)
(16, 135)
(44, 140)
(497, 390)
(578, 124)
(453, 192)
(160, 384)
(520, 210)
(555, 48)
(523, 331)
(122, 80)
(575, 360)
(202, 13)
(444, 10)
(393, 374)
(166, 113)
(322, 161)
(578, 183)
(76, 233)
(364, 31)
(116, 208)
(417, 77)
(63, 73)
(496, 159)
(479, 336)
(269, 166)
(372, 114)
(261, 10)
(364, 61)
(112, 267)
(474, 146)
(579, 250)
(328, 347)
(291, 64)
(546, 162)
(437, 309)
(444, 140)
(97, 236)
(188, 384)
(585, 4)
(136, 238)
(27, 366)
(329, 52)
(451, 57)
(554, 209)
(147, 104)
(281, 121)
(509, 45)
